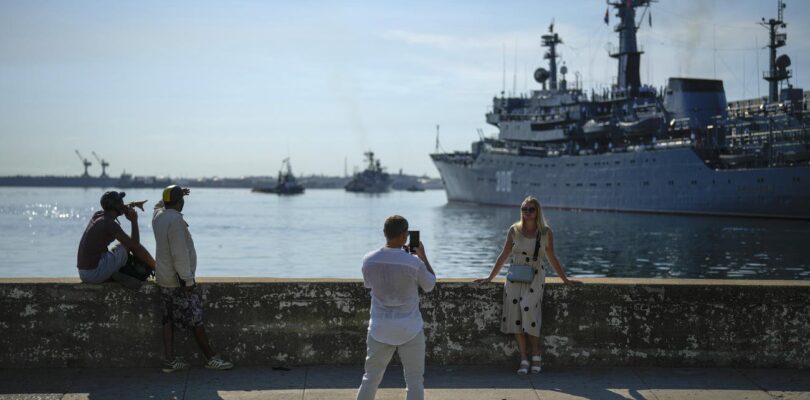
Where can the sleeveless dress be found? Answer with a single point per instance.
(522, 312)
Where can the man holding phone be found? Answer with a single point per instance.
(176, 267)
(394, 276)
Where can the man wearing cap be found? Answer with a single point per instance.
(174, 273)
(95, 260)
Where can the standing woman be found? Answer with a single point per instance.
(528, 242)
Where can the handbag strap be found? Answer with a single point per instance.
(536, 245)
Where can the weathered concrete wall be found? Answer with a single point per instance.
(60, 322)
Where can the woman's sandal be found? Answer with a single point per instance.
(536, 368)
(524, 367)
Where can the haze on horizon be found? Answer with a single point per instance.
(207, 88)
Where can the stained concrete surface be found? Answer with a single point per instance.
(442, 382)
(261, 321)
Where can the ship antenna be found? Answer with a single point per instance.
(514, 76)
(503, 81)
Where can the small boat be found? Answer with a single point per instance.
(372, 180)
(286, 183)
(415, 187)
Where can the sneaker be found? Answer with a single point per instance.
(216, 362)
(175, 365)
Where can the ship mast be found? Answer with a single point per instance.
(628, 54)
(776, 73)
(551, 40)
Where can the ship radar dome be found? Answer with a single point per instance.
(541, 75)
(782, 62)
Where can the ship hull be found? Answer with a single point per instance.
(661, 181)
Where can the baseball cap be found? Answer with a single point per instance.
(112, 199)
(172, 193)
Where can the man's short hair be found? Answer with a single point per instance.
(395, 226)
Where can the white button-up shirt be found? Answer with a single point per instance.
(394, 277)
(175, 255)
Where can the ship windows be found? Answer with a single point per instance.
(567, 185)
(760, 180)
(617, 162)
(608, 184)
(694, 182)
(618, 183)
(579, 185)
(632, 161)
(671, 183)
(586, 164)
(645, 183)
(593, 184)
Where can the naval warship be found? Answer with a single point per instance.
(371, 180)
(682, 149)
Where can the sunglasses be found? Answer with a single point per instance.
(528, 209)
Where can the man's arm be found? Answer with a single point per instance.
(136, 248)
(426, 278)
(132, 216)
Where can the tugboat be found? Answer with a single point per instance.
(286, 184)
(372, 180)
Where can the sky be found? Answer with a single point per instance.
(230, 88)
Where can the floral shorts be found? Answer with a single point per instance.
(182, 307)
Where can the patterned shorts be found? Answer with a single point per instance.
(182, 307)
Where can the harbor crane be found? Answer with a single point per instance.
(104, 164)
(86, 163)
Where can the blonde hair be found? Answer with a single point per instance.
(540, 219)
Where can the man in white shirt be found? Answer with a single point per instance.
(394, 277)
(176, 265)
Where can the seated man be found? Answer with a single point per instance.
(96, 262)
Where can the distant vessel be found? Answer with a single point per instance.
(635, 148)
(416, 187)
(372, 180)
(286, 183)
(86, 180)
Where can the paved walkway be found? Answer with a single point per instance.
(462, 382)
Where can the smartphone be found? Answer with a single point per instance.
(413, 240)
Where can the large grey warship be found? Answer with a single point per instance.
(682, 149)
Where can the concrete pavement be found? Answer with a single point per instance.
(442, 382)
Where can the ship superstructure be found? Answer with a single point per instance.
(371, 180)
(636, 148)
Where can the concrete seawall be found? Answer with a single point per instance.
(660, 322)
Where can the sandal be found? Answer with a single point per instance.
(524, 367)
(536, 368)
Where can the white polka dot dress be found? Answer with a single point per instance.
(521, 301)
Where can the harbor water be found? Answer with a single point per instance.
(325, 233)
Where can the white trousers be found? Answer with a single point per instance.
(378, 355)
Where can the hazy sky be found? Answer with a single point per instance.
(229, 88)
